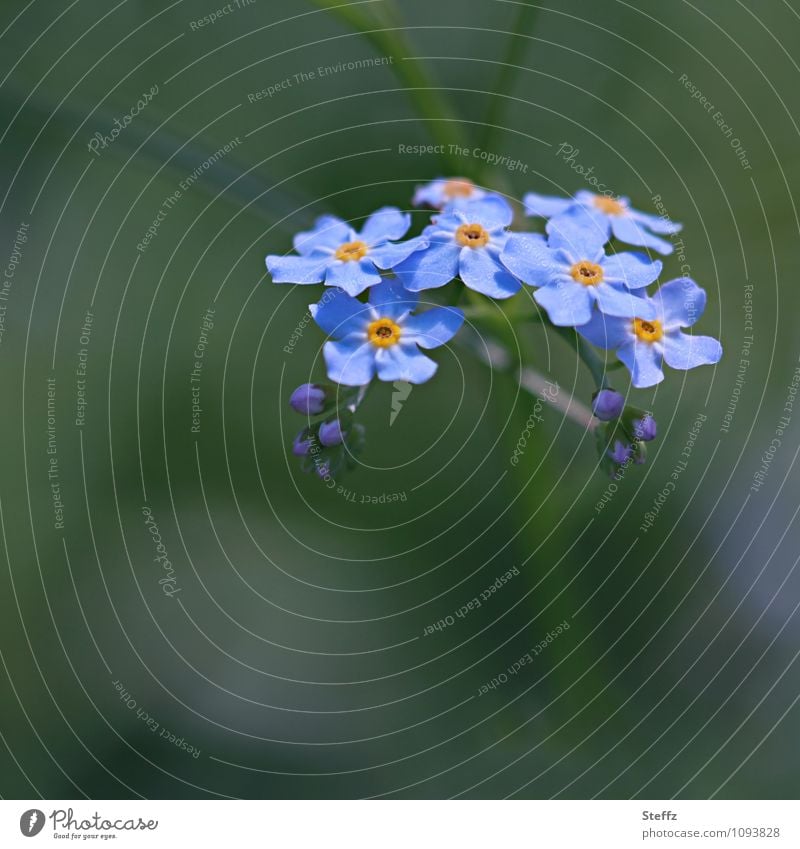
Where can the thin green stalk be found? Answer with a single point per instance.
(596, 366)
(420, 88)
(523, 25)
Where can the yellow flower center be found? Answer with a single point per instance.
(351, 251)
(587, 273)
(472, 236)
(458, 188)
(383, 333)
(648, 331)
(609, 205)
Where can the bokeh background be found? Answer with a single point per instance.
(293, 662)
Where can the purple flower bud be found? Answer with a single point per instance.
(302, 444)
(620, 453)
(330, 433)
(308, 399)
(645, 429)
(607, 404)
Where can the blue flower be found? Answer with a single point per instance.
(302, 443)
(308, 399)
(645, 429)
(644, 343)
(465, 241)
(331, 433)
(573, 272)
(382, 336)
(613, 215)
(608, 404)
(335, 253)
(441, 191)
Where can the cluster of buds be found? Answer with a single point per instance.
(621, 439)
(331, 443)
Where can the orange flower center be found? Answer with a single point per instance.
(609, 205)
(587, 273)
(472, 236)
(383, 333)
(458, 189)
(351, 251)
(648, 331)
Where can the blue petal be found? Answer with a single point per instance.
(327, 234)
(404, 362)
(644, 362)
(684, 351)
(625, 228)
(633, 270)
(619, 301)
(657, 224)
(298, 269)
(490, 212)
(388, 255)
(338, 315)
(391, 299)
(527, 256)
(433, 193)
(434, 327)
(545, 206)
(606, 331)
(579, 232)
(484, 274)
(429, 268)
(567, 304)
(681, 302)
(351, 363)
(388, 223)
(353, 276)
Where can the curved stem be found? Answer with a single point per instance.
(497, 357)
(523, 25)
(419, 87)
(596, 366)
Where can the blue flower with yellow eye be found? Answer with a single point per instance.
(382, 336)
(440, 192)
(334, 253)
(644, 344)
(574, 273)
(612, 215)
(464, 241)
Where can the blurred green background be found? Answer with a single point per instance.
(294, 660)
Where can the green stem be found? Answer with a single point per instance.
(596, 366)
(522, 26)
(497, 357)
(420, 88)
